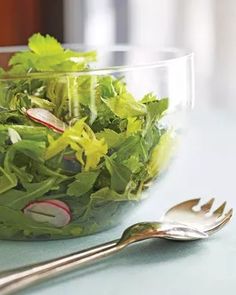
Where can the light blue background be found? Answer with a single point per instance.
(204, 168)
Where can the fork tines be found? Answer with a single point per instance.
(218, 212)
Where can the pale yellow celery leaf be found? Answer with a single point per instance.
(94, 150)
(89, 132)
(161, 154)
(74, 133)
(79, 152)
(78, 127)
(58, 145)
(83, 141)
(124, 106)
(134, 125)
(79, 156)
(44, 45)
(94, 153)
(50, 139)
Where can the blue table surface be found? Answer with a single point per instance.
(205, 167)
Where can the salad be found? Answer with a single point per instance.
(76, 149)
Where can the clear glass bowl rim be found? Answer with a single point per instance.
(182, 55)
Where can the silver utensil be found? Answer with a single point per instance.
(181, 222)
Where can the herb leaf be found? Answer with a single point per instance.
(124, 106)
(120, 174)
(44, 45)
(83, 183)
(46, 54)
(8, 180)
(161, 154)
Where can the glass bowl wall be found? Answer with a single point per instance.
(121, 120)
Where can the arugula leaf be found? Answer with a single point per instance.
(32, 149)
(83, 183)
(127, 148)
(33, 192)
(3, 138)
(120, 174)
(28, 132)
(7, 180)
(112, 138)
(12, 117)
(22, 174)
(10, 196)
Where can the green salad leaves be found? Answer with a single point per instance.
(112, 147)
(47, 54)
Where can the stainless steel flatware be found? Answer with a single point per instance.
(186, 221)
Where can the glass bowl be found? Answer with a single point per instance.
(79, 150)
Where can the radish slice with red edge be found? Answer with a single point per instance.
(54, 212)
(59, 204)
(46, 118)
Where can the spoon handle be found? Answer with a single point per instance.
(20, 278)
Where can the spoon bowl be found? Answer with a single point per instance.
(200, 216)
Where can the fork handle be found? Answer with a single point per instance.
(20, 278)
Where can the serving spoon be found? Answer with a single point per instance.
(184, 222)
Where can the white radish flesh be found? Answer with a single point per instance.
(14, 135)
(46, 118)
(54, 212)
(59, 204)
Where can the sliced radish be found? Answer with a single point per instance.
(54, 212)
(14, 135)
(46, 118)
(59, 203)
